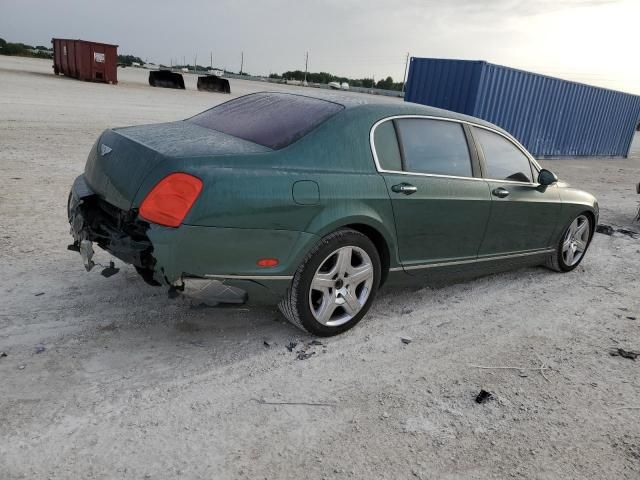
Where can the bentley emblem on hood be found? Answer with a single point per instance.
(104, 150)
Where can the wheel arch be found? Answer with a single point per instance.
(592, 218)
(376, 231)
(379, 242)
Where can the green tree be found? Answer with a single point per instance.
(129, 59)
(386, 84)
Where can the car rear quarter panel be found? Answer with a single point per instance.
(247, 202)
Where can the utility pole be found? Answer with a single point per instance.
(241, 62)
(306, 67)
(404, 78)
(195, 63)
(211, 60)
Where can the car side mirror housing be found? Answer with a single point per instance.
(547, 177)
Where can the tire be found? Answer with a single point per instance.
(574, 240)
(324, 299)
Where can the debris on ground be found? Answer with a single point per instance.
(630, 233)
(264, 401)
(21, 367)
(303, 355)
(266, 344)
(40, 348)
(109, 271)
(3, 354)
(39, 294)
(605, 229)
(195, 343)
(483, 396)
(621, 352)
(609, 230)
(406, 340)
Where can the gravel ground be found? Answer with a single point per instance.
(129, 384)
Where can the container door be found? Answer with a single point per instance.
(64, 57)
(524, 214)
(71, 58)
(98, 63)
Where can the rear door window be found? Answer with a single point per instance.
(387, 149)
(273, 120)
(434, 146)
(503, 159)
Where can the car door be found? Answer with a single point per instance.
(524, 214)
(440, 204)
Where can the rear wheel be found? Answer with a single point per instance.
(335, 285)
(573, 245)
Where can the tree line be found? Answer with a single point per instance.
(24, 50)
(324, 77)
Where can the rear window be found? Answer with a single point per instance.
(273, 120)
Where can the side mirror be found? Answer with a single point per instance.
(547, 177)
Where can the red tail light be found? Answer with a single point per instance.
(171, 199)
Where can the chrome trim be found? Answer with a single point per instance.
(444, 119)
(474, 260)
(251, 277)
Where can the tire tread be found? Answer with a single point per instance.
(288, 305)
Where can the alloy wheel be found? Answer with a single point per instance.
(576, 240)
(341, 286)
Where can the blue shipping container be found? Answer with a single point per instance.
(549, 116)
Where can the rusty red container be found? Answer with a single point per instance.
(84, 60)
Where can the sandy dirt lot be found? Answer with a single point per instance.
(129, 384)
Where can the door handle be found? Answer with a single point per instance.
(405, 188)
(500, 192)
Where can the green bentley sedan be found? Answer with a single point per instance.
(315, 202)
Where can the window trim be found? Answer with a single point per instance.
(476, 146)
(472, 158)
(485, 167)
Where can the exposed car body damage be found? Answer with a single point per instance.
(157, 253)
(119, 232)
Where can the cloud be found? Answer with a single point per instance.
(347, 37)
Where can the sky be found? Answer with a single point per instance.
(590, 41)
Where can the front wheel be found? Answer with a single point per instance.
(335, 285)
(573, 245)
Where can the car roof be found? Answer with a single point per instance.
(385, 107)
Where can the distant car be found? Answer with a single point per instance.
(316, 202)
(338, 86)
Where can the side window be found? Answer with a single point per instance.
(434, 146)
(504, 160)
(386, 145)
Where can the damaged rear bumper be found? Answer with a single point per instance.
(118, 232)
(206, 261)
